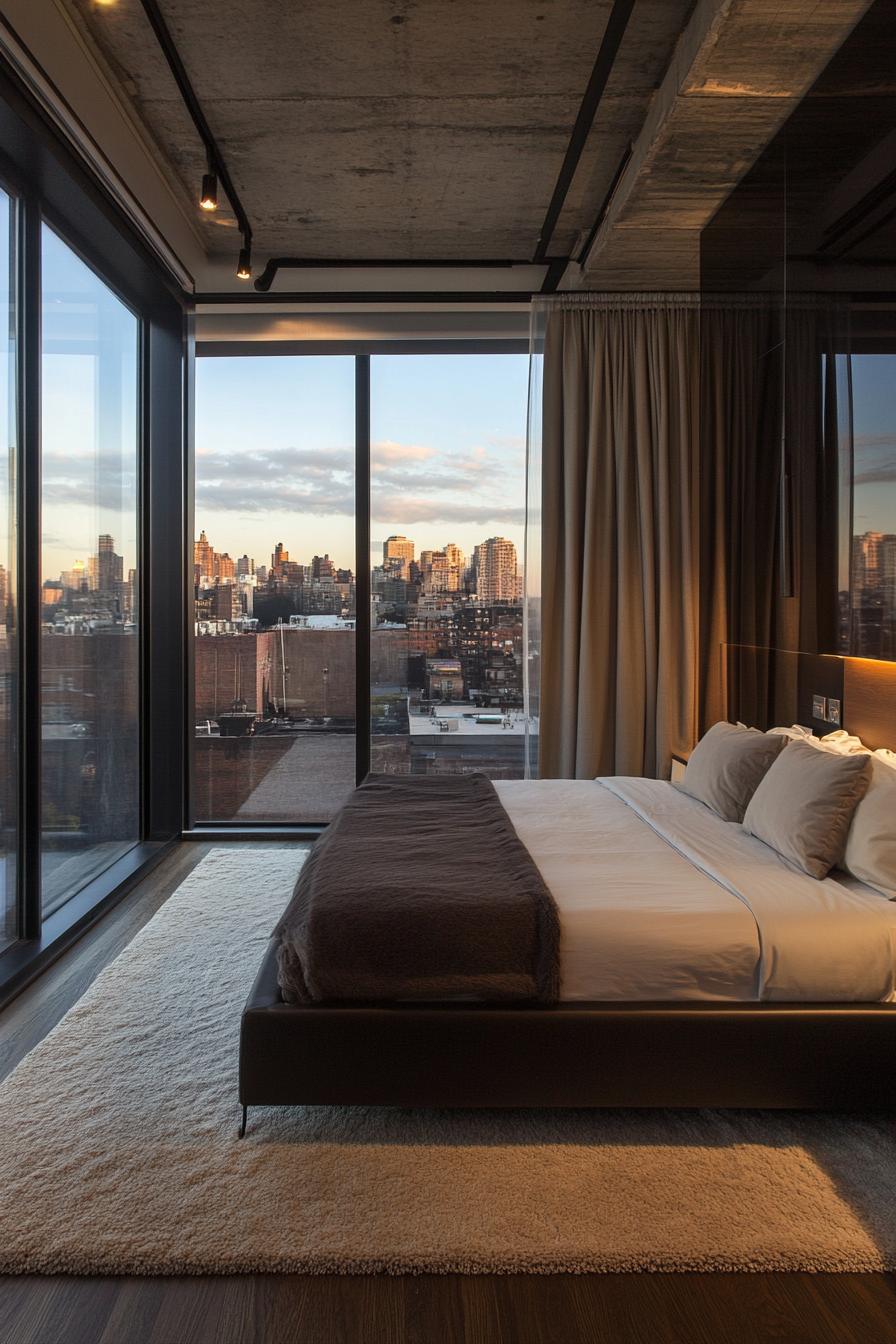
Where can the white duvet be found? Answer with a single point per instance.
(659, 899)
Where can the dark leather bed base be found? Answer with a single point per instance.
(574, 1054)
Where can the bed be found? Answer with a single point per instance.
(697, 968)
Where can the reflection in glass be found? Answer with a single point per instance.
(89, 640)
(274, 588)
(7, 580)
(447, 504)
(871, 601)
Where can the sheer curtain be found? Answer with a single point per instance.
(613, 466)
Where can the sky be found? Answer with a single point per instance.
(86, 490)
(275, 435)
(874, 412)
(275, 452)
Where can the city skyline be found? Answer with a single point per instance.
(874, 442)
(447, 453)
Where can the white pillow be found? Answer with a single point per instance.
(844, 742)
(871, 844)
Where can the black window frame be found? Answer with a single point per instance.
(51, 186)
(361, 351)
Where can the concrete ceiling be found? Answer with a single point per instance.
(390, 128)
(409, 129)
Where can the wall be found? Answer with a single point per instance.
(798, 280)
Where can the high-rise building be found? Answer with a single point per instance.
(105, 570)
(888, 576)
(398, 556)
(75, 578)
(225, 568)
(244, 566)
(434, 572)
(457, 563)
(279, 557)
(322, 567)
(497, 574)
(204, 557)
(866, 560)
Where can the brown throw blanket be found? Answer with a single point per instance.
(420, 888)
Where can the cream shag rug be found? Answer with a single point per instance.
(120, 1152)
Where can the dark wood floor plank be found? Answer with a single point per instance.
(453, 1309)
(434, 1308)
(425, 1309)
(61, 1310)
(134, 1311)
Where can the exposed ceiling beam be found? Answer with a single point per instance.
(603, 65)
(738, 70)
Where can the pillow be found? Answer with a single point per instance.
(871, 844)
(725, 767)
(843, 741)
(805, 803)
(797, 731)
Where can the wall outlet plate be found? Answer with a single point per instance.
(834, 712)
(819, 707)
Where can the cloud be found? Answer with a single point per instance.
(89, 479)
(413, 511)
(410, 481)
(874, 457)
(385, 450)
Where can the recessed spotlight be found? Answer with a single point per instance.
(208, 197)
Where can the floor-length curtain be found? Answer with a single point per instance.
(769, 502)
(619, 540)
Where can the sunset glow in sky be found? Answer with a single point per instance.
(275, 452)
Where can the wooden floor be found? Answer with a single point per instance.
(430, 1309)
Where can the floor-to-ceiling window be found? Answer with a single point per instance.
(278, 635)
(447, 510)
(8, 655)
(93, 400)
(868, 588)
(90, 693)
(274, 588)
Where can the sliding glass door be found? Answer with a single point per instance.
(90, 691)
(274, 588)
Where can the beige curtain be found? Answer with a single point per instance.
(620, 546)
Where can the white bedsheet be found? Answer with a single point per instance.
(659, 899)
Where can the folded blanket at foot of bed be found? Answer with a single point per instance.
(420, 889)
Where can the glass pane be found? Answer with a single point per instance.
(8, 810)
(274, 588)
(448, 490)
(89, 643)
(873, 557)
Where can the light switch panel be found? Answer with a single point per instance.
(834, 712)
(819, 707)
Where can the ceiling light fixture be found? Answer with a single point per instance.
(244, 265)
(208, 197)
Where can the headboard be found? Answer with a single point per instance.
(764, 687)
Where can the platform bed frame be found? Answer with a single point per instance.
(835, 1056)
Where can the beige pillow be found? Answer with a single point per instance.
(805, 803)
(871, 844)
(725, 767)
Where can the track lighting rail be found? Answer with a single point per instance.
(217, 168)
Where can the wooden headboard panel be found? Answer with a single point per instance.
(869, 695)
(765, 687)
